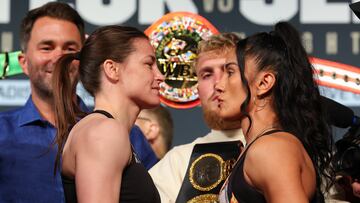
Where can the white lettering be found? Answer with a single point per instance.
(152, 10)
(308, 43)
(320, 11)
(209, 6)
(16, 92)
(7, 41)
(331, 43)
(98, 13)
(37, 3)
(262, 13)
(225, 6)
(346, 98)
(355, 36)
(4, 11)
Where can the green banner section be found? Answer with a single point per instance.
(9, 64)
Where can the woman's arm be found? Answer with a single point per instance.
(100, 158)
(277, 167)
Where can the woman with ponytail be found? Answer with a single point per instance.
(117, 66)
(268, 85)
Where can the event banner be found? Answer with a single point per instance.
(329, 30)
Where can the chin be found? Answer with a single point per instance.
(211, 107)
(152, 104)
(228, 115)
(222, 114)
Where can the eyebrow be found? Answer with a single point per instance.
(67, 43)
(72, 42)
(229, 64)
(152, 57)
(143, 118)
(206, 69)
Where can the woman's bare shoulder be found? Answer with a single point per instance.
(276, 159)
(100, 135)
(281, 143)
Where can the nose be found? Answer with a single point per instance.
(57, 53)
(218, 88)
(219, 85)
(158, 75)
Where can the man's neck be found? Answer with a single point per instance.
(45, 106)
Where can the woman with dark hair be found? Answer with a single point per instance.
(117, 66)
(268, 85)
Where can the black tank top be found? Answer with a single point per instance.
(238, 187)
(136, 185)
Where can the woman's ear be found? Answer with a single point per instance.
(111, 70)
(265, 82)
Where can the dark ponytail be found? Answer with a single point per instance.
(109, 42)
(317, 139)
(67, 110)
(296, 97)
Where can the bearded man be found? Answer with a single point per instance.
(195, 172)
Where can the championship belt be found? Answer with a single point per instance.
(175, 38)
(210, 164)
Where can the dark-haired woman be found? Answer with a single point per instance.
(268, 85)
(117, 66)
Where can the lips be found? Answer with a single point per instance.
(156, 88)
(220, 102)
(215, 98)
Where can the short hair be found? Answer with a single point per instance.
(219, 43)
(55, 10)
(163, 117)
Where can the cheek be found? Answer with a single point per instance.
(235, 96)
(32, 67)
(146, 74)
(204, 89)
(36, 63)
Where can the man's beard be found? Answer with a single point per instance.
(43, 90)
(216, 123)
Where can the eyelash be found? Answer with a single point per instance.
(230, 72)
(204, 76)
(149, 64)
(45, 48)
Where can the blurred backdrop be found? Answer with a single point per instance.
(329, 30)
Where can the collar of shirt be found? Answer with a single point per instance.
(30, 114)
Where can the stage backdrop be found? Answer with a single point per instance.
(328, 27)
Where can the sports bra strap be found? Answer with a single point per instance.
(265, 133)
(103, 112)
(271, 132)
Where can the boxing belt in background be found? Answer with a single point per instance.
(175, 37)
(209, 166)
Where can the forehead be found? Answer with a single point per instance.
(143, 46)
(52, 29)
(214, 59)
